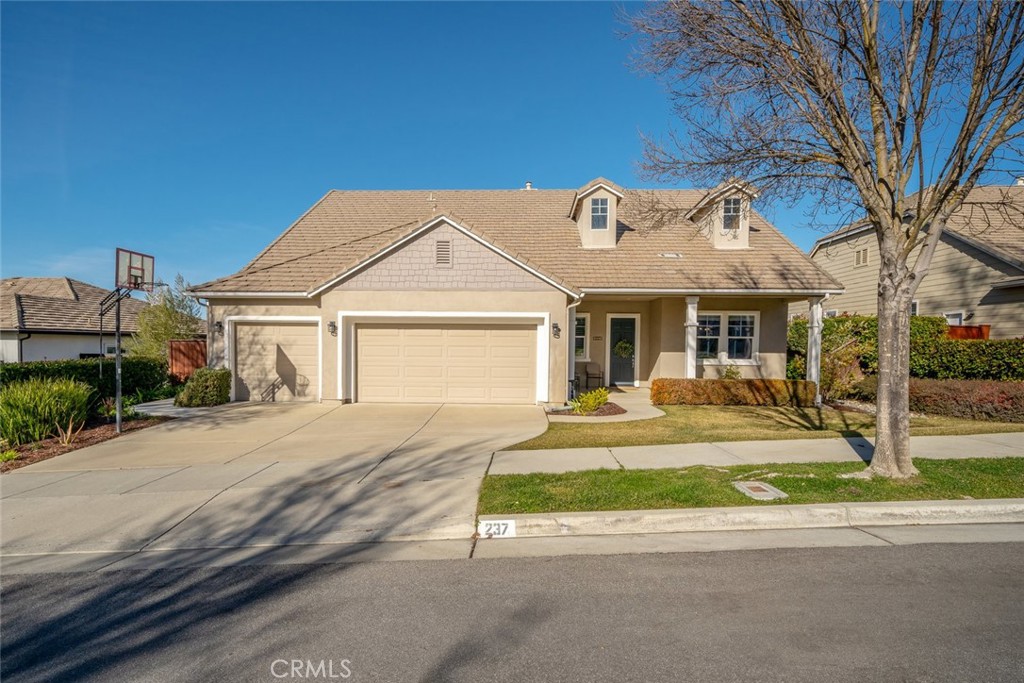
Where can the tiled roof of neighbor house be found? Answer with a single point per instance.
(346, 227)
(992, 217)
(60, 304)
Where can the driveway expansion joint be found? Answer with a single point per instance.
(399, 446)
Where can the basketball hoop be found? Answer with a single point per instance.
(134, 271)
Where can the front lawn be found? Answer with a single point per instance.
(701, 424)
(701, 486)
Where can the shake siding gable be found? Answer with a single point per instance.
(473, 266)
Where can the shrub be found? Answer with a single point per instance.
(206, 387)
(730, 372)
(995, 359)
(590, 401)
(34, 409)
(932, 354)
(969, 399)
(137, 374)
(732, 392)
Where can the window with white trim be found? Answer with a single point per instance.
(599, 213)
(913, 307)
(832, 313)
(709, 331)
(954, 318)
(727, 337)
(581, 340)
(741, 337)
(731, 209)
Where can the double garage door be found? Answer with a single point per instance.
(457, 363)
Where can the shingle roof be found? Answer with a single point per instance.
(346, 227)
(59, 304)
(992, 217)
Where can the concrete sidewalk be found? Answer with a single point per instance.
(1010, 444)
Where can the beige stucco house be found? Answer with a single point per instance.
(976, 275)
(56, 318)
(507, 296)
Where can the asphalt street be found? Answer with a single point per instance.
(912, 613)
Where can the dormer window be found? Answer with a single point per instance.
(731, 213)
(599, 213)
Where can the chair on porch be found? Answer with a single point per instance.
(593, 371)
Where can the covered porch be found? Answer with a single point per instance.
(629, 340)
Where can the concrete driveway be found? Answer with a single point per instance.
(264, 475)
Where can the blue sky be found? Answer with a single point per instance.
(197, 132)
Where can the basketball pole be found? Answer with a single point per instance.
(117, 361)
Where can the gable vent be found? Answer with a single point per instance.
(443, 254)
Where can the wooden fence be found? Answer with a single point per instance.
(185, 356)
(968, 331)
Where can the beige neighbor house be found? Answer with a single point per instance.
(507, 296)
(976, 275)
(56, 318)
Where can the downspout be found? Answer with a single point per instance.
(21, 340)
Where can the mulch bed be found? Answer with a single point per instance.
(52, 447)
(604, 411)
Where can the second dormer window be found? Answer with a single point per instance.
(731, 218)
(598, 214)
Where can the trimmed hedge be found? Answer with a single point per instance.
(206, 387)
(137, 374)
(932, 354)
(969, 399)
(732, 392)
(994, 359)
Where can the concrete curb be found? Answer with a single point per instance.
(995, 511)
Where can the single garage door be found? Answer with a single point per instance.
(446, 363)
(276, 362)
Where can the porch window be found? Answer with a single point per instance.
(709, 329)
(727, 337)
(741, 337)
(581, 340)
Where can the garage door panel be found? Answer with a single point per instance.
(463, 363)
(276, 362)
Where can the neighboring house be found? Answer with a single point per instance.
(52, 318)
(976, 275)
(505, 296)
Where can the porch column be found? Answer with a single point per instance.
(691, 337)
(814, 345)
(570, 355)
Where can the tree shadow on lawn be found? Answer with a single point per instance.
(805, 419)
(100, 623)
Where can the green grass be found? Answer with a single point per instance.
(700, 424)
(699, 486)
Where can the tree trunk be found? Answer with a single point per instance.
(892, 422)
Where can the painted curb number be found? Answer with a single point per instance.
(497, 528)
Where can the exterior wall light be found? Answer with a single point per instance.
(556, 330)
(332, 327)
(218, 327)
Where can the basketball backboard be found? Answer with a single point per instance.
(134, 270)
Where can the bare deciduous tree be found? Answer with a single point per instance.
(896, 109)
